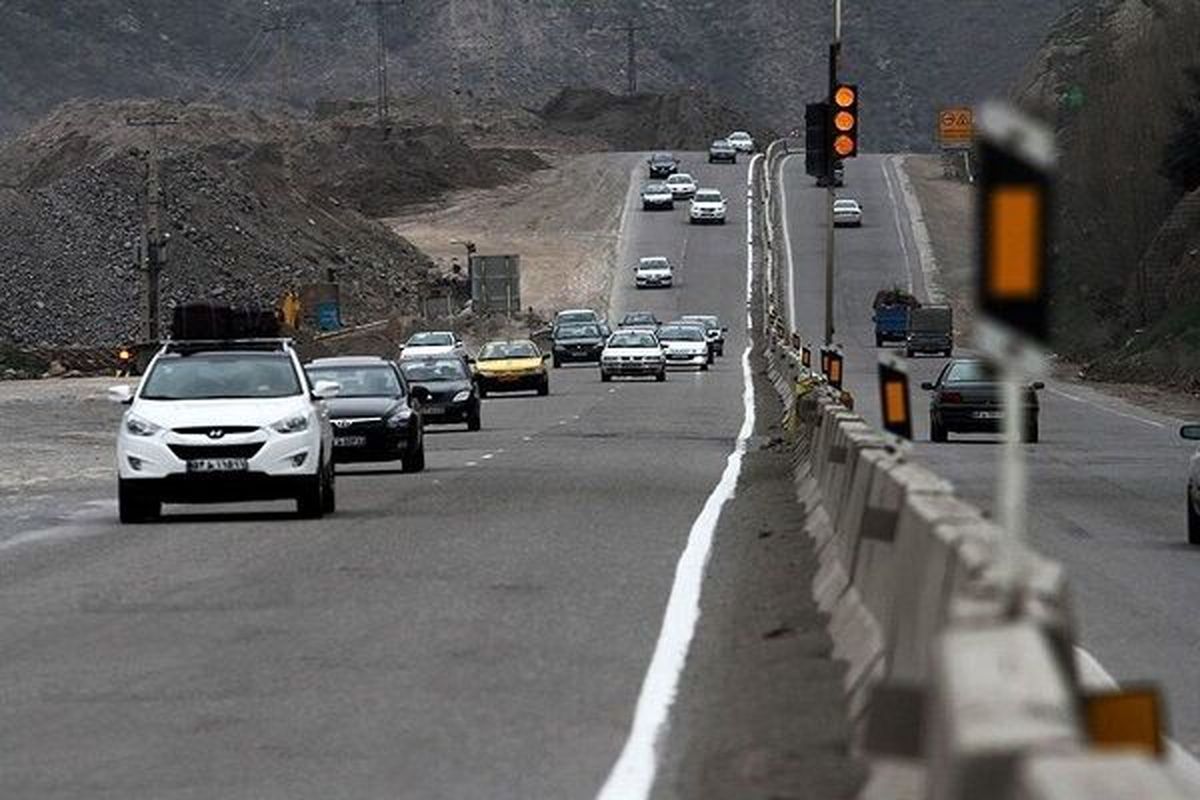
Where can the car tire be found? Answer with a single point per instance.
(544, 388)
(557, 362)
(712, 359)
(660, 377)
(645, 206)
(704, 367)
(1193, 522)
(605, 377)
(908, 353)
(878, 340)
(482, 391)
(721, 351)
(474, 420)
(134, 508)
(937, 433)
(948, 353)
(414, 460)
(310, 503)
(1030, 434)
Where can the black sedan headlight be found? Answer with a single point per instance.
(398, 419)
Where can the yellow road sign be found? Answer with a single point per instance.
(956, 127)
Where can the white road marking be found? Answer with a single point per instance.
(632, 777)
(526, 438)
(787, 245)
(1093, 675)
(488, 456)
(908, 265)
(472, 464)
(612, 391)
(920, 234)
(75, 527)
(1100, 406)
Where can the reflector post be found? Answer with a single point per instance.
(835, 369)
(894, 403)
(806, 356)
(1128, 719)
(1016, 157)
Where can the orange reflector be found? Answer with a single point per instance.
(835, 370)
(895, 403)
(806, 357)
(1014, 263)
(843, 145)
(844, 97)
(843, 121)
(1129, 719)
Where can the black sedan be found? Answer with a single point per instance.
(373, 414)
(662, 165)
(577, 343)
(453, 393)
(968, 397)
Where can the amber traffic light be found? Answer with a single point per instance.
(844, 123)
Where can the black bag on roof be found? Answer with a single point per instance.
(210, 320)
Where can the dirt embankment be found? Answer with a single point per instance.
(254, 206)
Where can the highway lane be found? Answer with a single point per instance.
(1107, 480)
(478, 630)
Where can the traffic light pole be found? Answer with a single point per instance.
(831, 194)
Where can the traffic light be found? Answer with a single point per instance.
(843, 121)
(816, 139)
(1016, 158)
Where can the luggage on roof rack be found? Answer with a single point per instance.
(218, 321)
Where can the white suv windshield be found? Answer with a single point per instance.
(708, 197)
(205, 376)
(675, 179)
(431, 339)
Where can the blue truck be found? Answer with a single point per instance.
(892, 308)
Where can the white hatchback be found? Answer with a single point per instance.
(847, 213)
(653, 272)
(429, 344)
(224, 422)
(741, 141)
(682, 185)
(633, 352)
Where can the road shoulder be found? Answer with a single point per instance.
(760, 711)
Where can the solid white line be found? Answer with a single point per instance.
(787, 244)
(632, 776)
(908, 264)
(1093, 675)
(920, 234)
(487, 456)
(1113, 411)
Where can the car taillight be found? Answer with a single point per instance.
(951, 397)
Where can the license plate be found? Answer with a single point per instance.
(433, 411)
(218, 465)
(989, 415)
(349, 441)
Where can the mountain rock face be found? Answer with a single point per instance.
(1110, 79)
(765, 57)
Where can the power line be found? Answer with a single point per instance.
(283, 26)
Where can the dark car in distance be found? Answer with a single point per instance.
(453, 394)
(662, 165)
(577, 343)
(722, 151)
(375, 415)
(968, 397)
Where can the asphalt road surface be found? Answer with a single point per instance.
(1107, 480)
(480, 630)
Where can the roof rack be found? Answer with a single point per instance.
(199, 345)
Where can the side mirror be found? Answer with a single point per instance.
(724, 330)
(545, 356)
(420, 394)
(121, 394)
(326, 390)
(1038, 385)
(1190, 432)
(927, 386)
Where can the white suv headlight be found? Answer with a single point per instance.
(293, 424)
(140, 427)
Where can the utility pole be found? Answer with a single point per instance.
(631, 30)
(153, 250)
(835, 50)
(381, 59)
(283, 26)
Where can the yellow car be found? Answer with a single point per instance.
(511, 366)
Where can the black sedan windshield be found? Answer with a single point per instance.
(970, 372)
(444, 369)
(579, 332)
(360, 381)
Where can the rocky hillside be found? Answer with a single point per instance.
(255, 205)
(764, 57)
(1128, 238)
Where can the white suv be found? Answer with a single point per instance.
(707, 206)
(216, 422)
